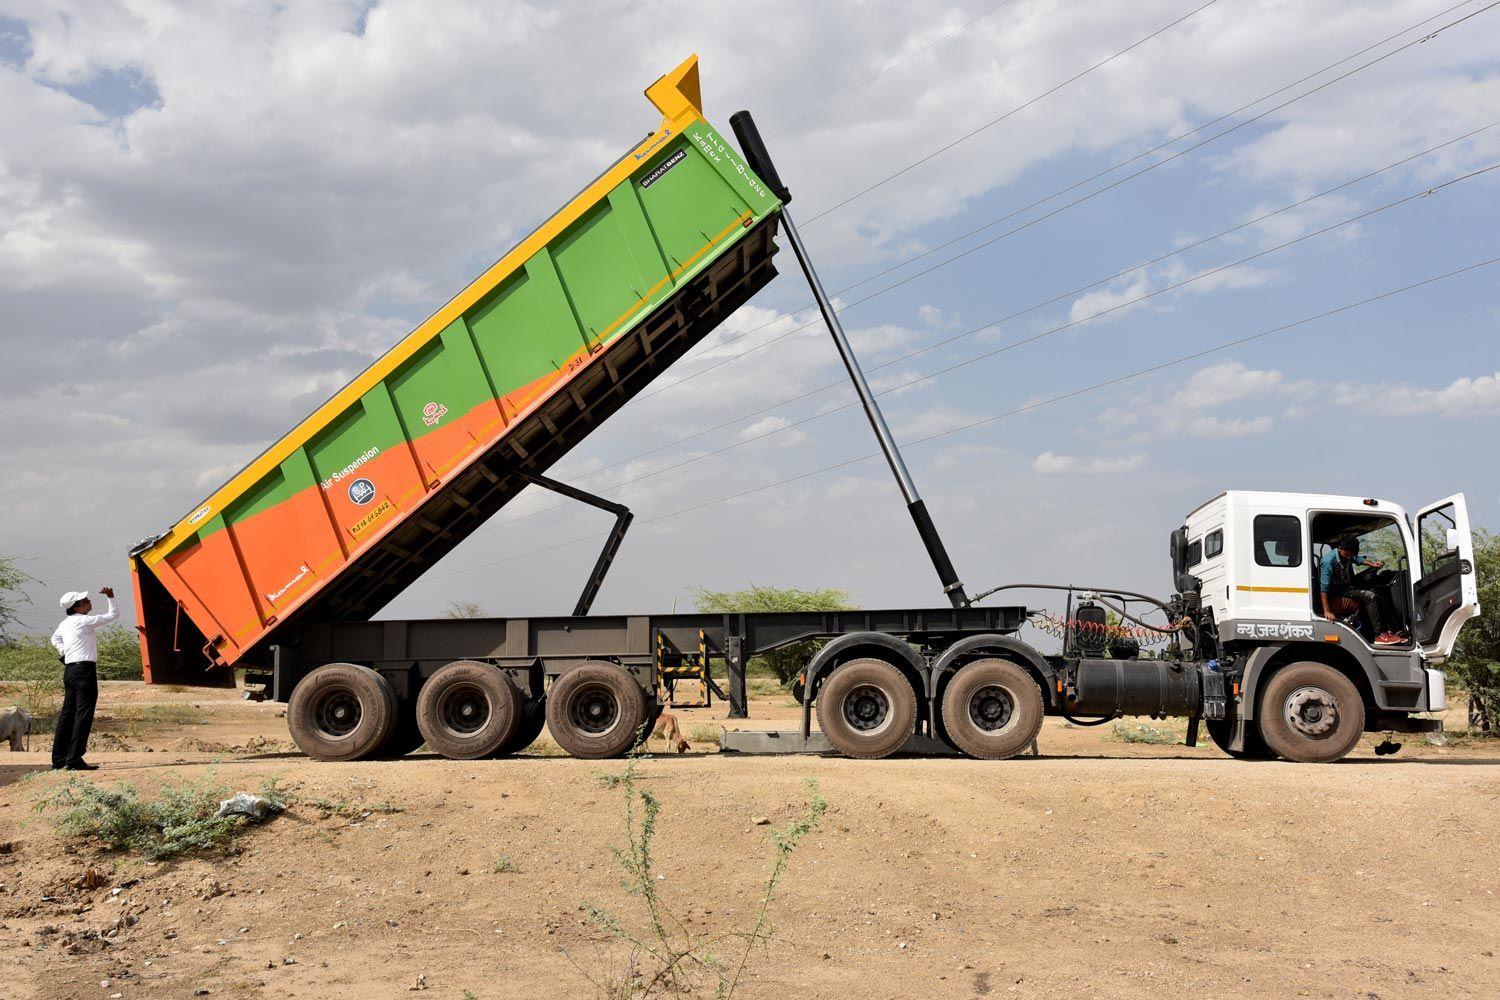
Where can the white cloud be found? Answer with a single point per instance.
(776, 426)
(1204, 425)
(1225, 383)
(1463, 398)
(1052, 464)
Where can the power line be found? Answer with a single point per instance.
(930, 45)
(1015, 110)
(1071, 394)
(1088, 197)
(112, 551)
(1086, 319)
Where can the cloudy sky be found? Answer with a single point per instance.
(213, 215)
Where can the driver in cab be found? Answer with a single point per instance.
(1341, 598)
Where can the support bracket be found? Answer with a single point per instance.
(623, 517)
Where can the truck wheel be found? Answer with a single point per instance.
(468, 710)
(533, 721)
(867, 709)
(595, 711)
(341, 711)
(992, 709)
(1221, 731)
(1311, 713)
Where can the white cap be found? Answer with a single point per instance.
(71, 598)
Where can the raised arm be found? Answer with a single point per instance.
(110, 613)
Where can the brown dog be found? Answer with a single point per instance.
(668, 729)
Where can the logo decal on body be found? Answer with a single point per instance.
(302, 571)
(349, 469)
(198, 514)
(1276, 630)
(662, 167)
(666, 134)
(361, 491)
(432, 413)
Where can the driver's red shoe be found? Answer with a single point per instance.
(1389, 639)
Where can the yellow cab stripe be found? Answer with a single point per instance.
(1273, 590)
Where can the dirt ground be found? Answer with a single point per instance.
(1102, 868)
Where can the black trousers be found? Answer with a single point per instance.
(80, 695)
(1366, 599)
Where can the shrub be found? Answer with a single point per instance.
(669, 958)
(783, 663)
(180, 820)
(1475, 665)
(31, 657)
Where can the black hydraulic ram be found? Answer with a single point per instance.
(760, 162)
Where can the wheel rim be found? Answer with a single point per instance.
(1312, 712)
(594, 710)
(867, 709)
(991, 708)
(336, 713)
(464, 709)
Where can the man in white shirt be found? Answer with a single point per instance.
(77, 643)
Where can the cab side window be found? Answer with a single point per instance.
(1195, 553)
(1278, 540)
(1213, 544)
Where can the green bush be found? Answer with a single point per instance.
(785, 663)
(180, 820)
(1475, 665)
(31, 657)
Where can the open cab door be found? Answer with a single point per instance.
(1446, 593)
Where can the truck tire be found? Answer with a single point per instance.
(468, 710)
(596, 710)
(1310, 713)
(533, 721)
(867, 709)
(1221, 731)
(992, 709)
(341, 711)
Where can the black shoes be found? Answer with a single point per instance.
(80, 765)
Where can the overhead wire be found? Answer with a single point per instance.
(1013, 111)
(894, 66)
(1083, 199)
(1119, 306)
(1027, 408)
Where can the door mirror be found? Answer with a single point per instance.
(1452, 539)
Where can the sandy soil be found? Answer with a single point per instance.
(1100, 869)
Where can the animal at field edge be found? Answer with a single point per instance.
(15, 725)
(668, 729)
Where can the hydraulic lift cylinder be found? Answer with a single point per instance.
(759, 160)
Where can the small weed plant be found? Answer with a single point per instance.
(667, 958)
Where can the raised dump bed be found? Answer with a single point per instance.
(403, 463)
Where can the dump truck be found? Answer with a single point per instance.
(280, 572)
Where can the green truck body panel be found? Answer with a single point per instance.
(369, 491)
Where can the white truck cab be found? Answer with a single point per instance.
(1257, 557)
(1251, 561)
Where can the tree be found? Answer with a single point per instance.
(12, 598)
(465, 609)
(1475, 663)
(787, 661)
